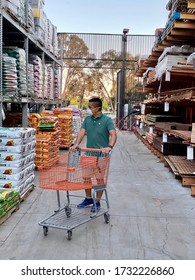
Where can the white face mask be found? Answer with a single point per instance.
(89, 112)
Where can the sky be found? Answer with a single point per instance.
(141, 17)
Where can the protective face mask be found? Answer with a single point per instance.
(89, 112)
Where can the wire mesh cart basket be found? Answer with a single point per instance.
(81, 169)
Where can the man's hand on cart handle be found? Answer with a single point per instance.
(106, 150)
(74, 147)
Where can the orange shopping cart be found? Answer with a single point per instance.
(77, 170)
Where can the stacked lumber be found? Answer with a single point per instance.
(172, 125)
(193, 134)
(162, 118)
(173, 146)
(150, 137)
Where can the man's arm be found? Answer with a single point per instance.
(112, 141)
(113, 137)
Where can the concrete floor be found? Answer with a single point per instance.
(152, 216)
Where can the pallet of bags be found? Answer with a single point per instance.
(66, 133)
(47, 149)
(77, 121)
(17, 132)
(20, 56)
(17, 154)
(9, 73)
(45, 88)
(47, 142)
(38, 75)
(65, 118)
(34, 120)
(57, 79)
(31, 80)
(48, 124)
(9, 202)
(50, 82)
(13, 8)
(18, 181)
(40, 24)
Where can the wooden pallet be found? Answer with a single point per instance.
(193, 190)
(16, 207)
(27, 193)
(9, 213)
(188, 178)
(182, 168)
(169, 164)
(14, 16)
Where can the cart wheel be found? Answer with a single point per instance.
(45, 230)
(68, 211)
(69, 234)
(107, 218)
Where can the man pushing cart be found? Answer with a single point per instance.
(83, 169)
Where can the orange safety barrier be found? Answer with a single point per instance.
(125, 124)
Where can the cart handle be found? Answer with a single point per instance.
(90, 149)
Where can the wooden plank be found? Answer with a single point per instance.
(185, 167)
(14, 16)
(187, 25)
(184, 134)
(191, 5)
(183, 72)
(171, 166)
(174, 38)
(192, 190)
(187, 181)
(171, 43)
(187, 16)
(160, 47)
(177, 32)
(9, 213)
(181, 39)
(27, 193)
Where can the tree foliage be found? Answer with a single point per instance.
(88, 76)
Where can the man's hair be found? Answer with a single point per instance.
(96, 100)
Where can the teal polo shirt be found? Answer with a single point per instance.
(97, 130)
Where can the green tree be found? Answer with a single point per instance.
(73, 47)
(86, 76)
